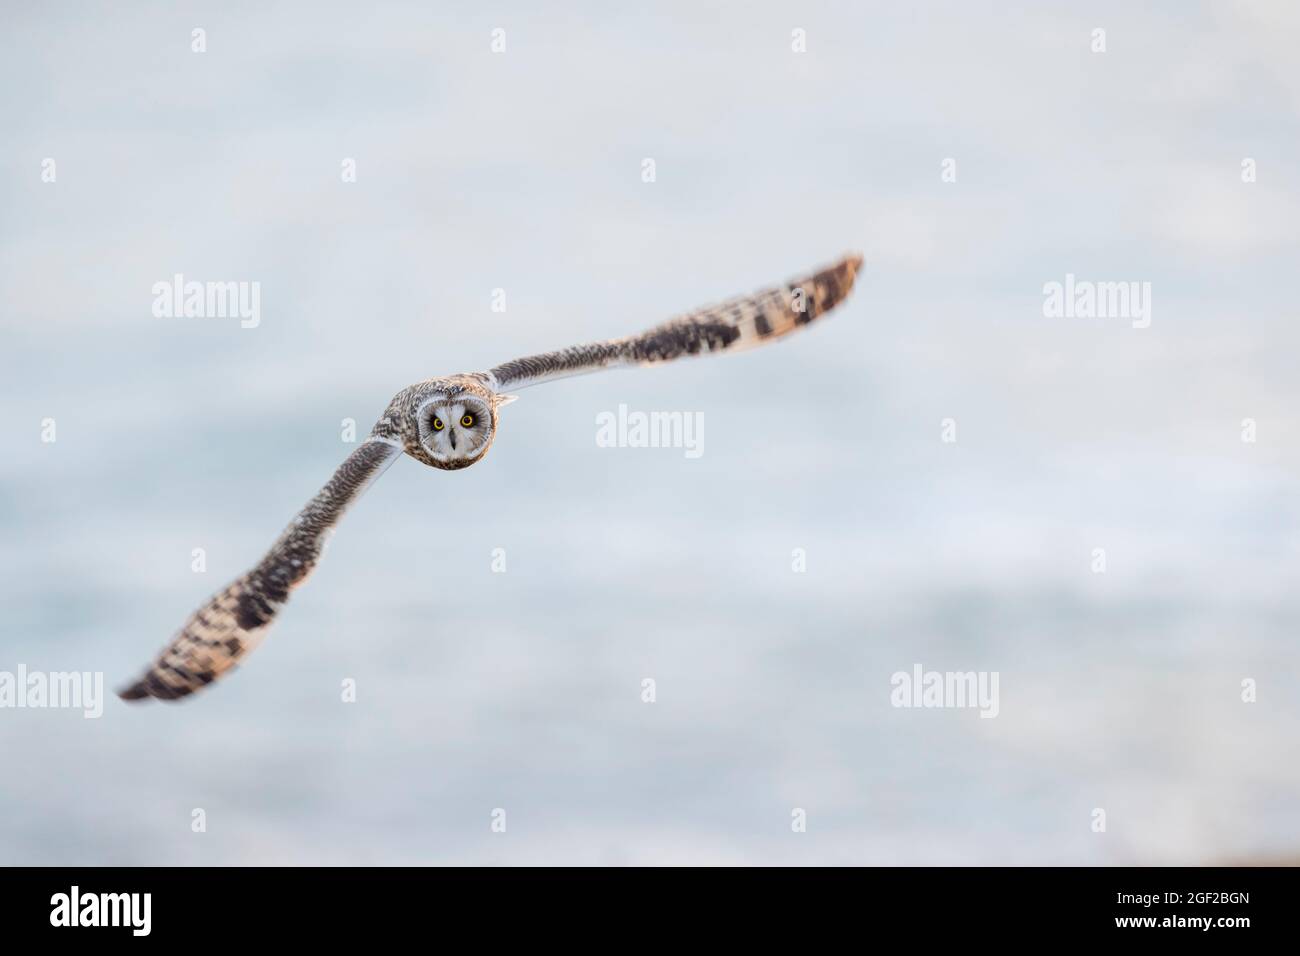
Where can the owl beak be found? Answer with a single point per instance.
(451, 437)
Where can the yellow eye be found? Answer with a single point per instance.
(467, 420)
(437, 424)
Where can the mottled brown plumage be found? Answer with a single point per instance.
(450, 423)
(736, 324)
(234, 621)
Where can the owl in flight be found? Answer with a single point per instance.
(450, 423)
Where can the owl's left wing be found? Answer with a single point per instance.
(733, 325)
(234, 621)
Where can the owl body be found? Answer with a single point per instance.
(445, 423)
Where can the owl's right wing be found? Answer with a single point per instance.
(234, 621)
(733, 325)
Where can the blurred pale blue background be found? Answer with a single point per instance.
(522, 690)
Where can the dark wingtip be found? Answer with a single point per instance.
(136, 691)
(150, 685)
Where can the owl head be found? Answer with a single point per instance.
(452, 425)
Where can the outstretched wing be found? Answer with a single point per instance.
(234, 622)
(731, 326)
